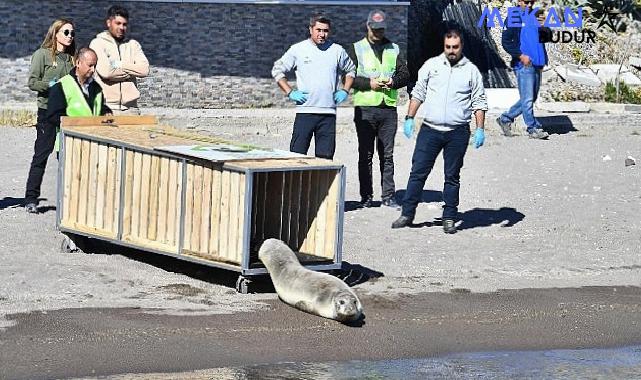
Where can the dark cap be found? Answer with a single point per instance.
(376, 19)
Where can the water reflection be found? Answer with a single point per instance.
(614, 363)
(555, 364)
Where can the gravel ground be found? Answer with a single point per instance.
(534, 214)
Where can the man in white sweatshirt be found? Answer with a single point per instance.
(452, 88)
(120, 62)
(319, 65)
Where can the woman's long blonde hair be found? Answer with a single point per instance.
(50, 41)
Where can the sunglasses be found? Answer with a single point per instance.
(67, 32)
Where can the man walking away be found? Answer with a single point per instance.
(452, 88)
(120, 62)
(528, 59)
(380, 72)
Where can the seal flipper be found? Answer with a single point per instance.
(305, 306)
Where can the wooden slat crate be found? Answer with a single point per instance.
(114, 185)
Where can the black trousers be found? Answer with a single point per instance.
(322, 127)
(376, 128)
(45, 141)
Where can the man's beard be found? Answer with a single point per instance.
(453, 58)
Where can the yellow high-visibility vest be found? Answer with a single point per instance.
(370, 67)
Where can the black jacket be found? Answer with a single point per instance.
(57, 106)
(401, 75)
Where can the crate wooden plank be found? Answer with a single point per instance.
(179, 205)
(101, 188)
(312, 215)
(68, 177)
(234, 201)
(214, 220)
(280, 164)
(332, 214)
(189, 206)
(294, 212)
(173, 199)
(144, 195)
(274, 205)
(197, 208)
(163, 190)
(286, 206)
(130, 164)
(83, 195)
(321, 218)
(117, 186)
(92, 121)
(75, 183)
(110, 188)
(224, 214)
(206, 210)
(242, 178)
(305, 204)
(258, 207)
(137, 190)
(93, 184)
(154, 185)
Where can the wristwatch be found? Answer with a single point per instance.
(407, 117)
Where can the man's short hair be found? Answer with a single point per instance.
(117, 10)
(82, 52)
(319, 18)
(452, 29)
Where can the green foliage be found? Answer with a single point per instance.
(627, 94)
(577, 54)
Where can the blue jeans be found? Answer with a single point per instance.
(529, 81)
(429, 143)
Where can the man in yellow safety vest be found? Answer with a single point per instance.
(75, 94)
(380, 71)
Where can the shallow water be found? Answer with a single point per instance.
(613, 363)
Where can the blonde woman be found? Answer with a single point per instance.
(51, 62)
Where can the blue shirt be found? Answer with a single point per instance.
(531, 46)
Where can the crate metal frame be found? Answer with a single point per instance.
(244, 267)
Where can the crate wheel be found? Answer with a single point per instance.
(242, 284)
(68, 246)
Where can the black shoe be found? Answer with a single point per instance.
(391, 202)
(449, 226)
(31, 208)
(402, 221)
(366, 202)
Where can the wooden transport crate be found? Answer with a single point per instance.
(114, 184)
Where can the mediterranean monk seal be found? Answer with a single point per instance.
(313, 292)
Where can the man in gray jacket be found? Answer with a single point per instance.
(452, 88)
(319, 64)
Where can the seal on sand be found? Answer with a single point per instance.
(313, 292)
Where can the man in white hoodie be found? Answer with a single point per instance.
(451, 88)
(120, 62)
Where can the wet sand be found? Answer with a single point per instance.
(102, 342)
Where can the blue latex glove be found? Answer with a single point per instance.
(298, 97)
(53, 82)
(479, 137)
(408, 127)
(340, 96)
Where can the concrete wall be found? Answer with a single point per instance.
(203, 55)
